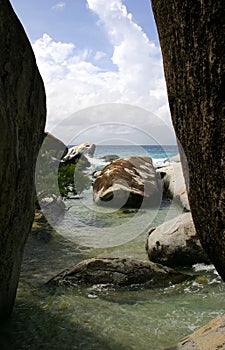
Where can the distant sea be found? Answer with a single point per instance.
(158, 153)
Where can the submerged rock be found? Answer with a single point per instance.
(117, 272)
(130, 182)
(175, 243)
(209, 337)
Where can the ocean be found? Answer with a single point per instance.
(102, 317)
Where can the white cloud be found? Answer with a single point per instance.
(59, 6)
(99, 55)
(73, 82)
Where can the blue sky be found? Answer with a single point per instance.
(99, 52)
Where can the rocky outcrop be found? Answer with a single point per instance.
(192, 40)
(175, 243)
(130, 182)
(22, 120)
(117, 272)
(76, 152)
(174, 185)
(209, 337)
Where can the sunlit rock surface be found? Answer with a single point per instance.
(209, 337)
(130, 182)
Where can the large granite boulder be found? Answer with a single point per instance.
(22, 120)
(175, 243)
(192, 40)
(117, 272)
(130, 182)
(174, 184)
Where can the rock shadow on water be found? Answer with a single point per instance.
(39, 328)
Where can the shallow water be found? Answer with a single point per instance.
(101, 317)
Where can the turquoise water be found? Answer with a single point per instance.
(101, 317)
(154, 151)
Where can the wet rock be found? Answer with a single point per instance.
(22, 120)
(174, 184)
(117, 272)
(175, 243)
(130, 182)
(209, 337)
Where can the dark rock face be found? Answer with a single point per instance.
(192, 41)
(118, 272)
(130, 182)
(22, 120)
(174, 243)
